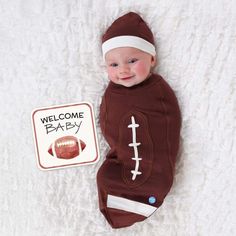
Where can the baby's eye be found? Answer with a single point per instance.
(113, 64)
(133, 60)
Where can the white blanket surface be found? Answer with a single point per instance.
(50, 54)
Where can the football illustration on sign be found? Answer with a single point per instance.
(66, 147)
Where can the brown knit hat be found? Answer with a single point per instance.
(129, 30)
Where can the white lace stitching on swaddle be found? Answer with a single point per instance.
(135, 145)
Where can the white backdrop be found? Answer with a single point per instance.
(50, 54)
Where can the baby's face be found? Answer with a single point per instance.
(128, 66)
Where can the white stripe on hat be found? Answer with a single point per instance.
(128, 41)
(130, 205)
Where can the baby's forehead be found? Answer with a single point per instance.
(123, 52)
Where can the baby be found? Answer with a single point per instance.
(140, 119)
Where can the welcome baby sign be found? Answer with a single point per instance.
(65, 136)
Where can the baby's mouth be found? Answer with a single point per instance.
(127, 78)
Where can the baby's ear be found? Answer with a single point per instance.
(153, 61)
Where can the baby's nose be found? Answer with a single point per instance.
(124, 69)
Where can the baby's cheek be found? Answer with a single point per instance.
(111, 74)
(142, 69)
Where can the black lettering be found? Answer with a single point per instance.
(52, 118)
(44, 120)
(74, 115)
(78, 126)
(60, 127)
(60, 116)
(49, 128)
(69, 125)
(67, 115)
(81, 115)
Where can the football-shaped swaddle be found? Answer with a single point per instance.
(142, 127)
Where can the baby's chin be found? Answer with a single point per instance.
(125, 84)
(128, 84)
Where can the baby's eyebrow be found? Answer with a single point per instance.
(136, 54)
(133, 56)
(111, 62)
